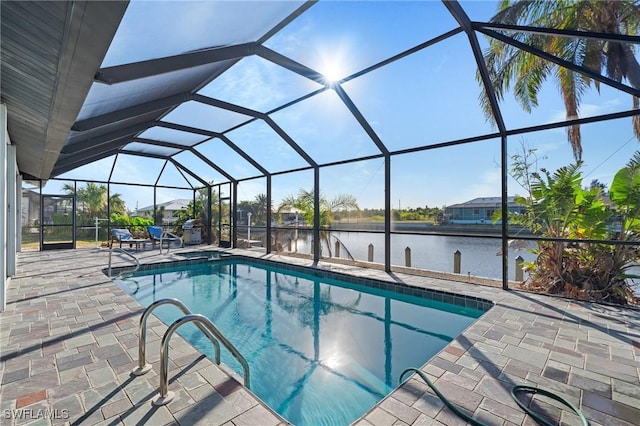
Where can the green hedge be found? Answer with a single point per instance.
(135, 224)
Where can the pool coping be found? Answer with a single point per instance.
(465, 301)
(589, 353)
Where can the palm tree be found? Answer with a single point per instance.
(93, 198)
(260, 211)
(304, 202)
(509, 65)
(117, 204)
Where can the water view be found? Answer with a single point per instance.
(479, 256)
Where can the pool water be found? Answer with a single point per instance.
(320, 351)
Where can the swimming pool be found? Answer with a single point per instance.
(321, 351)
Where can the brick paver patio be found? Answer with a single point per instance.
(69, 341)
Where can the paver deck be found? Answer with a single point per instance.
(68, 342)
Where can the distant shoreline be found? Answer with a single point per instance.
(428, 228)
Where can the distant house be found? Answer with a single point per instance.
(30, 206)
(479, 210)
(166, 210)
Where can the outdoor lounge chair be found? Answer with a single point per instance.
(124, 236)
(157, 234)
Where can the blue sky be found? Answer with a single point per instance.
(426, 98)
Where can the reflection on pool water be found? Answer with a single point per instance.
(320, 351)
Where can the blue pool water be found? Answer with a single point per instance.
(320, 351)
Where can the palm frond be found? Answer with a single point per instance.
(524, 73)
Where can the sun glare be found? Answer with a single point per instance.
(332, 61)
(332, 70)
(334, 361)
(332, 73)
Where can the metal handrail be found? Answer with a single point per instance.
(168, 244)
(168, 236)
(121, 250)
(143, 367)
(165, 395)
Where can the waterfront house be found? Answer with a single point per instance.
(479, 210)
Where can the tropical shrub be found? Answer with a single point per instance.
(559, 207)
(137, 225)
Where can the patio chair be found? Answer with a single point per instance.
(157, 234)
(124, 236)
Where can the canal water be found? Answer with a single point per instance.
(479, 256)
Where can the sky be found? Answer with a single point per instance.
(423, 99)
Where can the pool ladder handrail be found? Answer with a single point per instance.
(161, 241)
(121, 250)
(203, 323)
(143, 367)
(169, 237)
(167, 396)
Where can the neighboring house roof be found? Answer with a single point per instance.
(483, 202)
(173, 205)
(495, 202)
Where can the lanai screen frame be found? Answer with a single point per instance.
(467, 27)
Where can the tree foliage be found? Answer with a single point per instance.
(328, 208)
(201, 213)
(258, 209)
(522, 72)
(559, 207)
(305, 203)
(92, 200)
